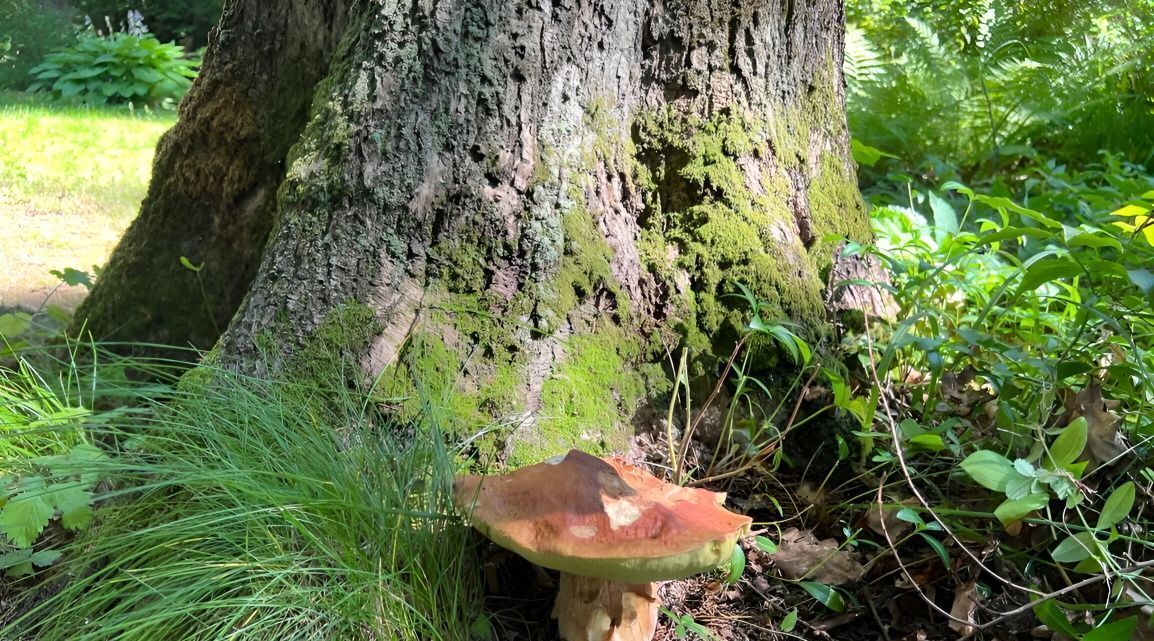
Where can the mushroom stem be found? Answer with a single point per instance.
(590, 609)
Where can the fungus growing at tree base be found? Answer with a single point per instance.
(610, 528)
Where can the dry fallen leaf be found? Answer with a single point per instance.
(883, 519)
(800, 556)
(1103, 442)
(966, 599)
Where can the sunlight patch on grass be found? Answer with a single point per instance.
(71, 180)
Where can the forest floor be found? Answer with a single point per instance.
(881, 606)
(71, 180)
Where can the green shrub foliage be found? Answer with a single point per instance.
(984, 84)
(28, 30)
(122, 67)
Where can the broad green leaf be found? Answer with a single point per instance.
(1094, 239)
(481, 628)
(938, 547)
(1075, 547)
(910, 516)
(44, 558)
(1089, 565)
(1118, 506)
(14, 323)
(1143, 279)
(24, 517)
(989, 469)
(790, 621)
(14, 558)
(1010, 233)
(824, 594)
(74, 503)
(1021, 486)
(73, 277)
(945, 218)
(1046, 270)
(1049, 613)
(931, 442)
(1065, 369)
(864, 154)
(1129, 211)
(1114, 631)
(1002, 203)
(1013, 510)
(1069, 444)
(736, 565)
(953, 185)
(765, 545)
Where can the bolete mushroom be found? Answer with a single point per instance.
(610, 528)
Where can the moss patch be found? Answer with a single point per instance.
(335, 346)
(588, 399)
(718, 218)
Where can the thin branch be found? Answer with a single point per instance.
(909, 478)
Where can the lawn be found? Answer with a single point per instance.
(71, 180)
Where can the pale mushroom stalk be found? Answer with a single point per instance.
(610, 528)
(592, 609)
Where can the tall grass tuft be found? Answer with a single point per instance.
(248, 509)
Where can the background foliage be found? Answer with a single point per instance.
(970, 89)
(28, 30)
(171, 20)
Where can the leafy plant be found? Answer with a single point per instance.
(684, 625)
(53, 488)
(1023, 358)
(28, 30)
(968, 92)
(121, 67)
(266, 509)
(49, 473)
(168, 19)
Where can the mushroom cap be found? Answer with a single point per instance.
(602, 518)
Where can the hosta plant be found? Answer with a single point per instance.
(119, 68)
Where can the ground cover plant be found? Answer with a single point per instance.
(970, 91)
(28, 30)
(230, 506)
(71, 180)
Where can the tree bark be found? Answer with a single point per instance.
(212, 198)
(511, 207)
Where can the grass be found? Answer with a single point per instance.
(245, 509)
(71, 180)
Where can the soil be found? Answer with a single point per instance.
(882, 606)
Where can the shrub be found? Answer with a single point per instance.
(990, 83)
(28, 30)
(122, 67)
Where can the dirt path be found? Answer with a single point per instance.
(35, 242)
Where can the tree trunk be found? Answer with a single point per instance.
(511, 207)
(212, 198)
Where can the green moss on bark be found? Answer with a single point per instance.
(588, 399)
(717, 218)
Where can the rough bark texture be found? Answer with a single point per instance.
(511, 207)
(213, 193)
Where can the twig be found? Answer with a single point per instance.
(902, 565)
(909, 477)
(1057, 593)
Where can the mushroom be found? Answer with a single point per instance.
(610, 528)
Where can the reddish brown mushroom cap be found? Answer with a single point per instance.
(602, 518)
